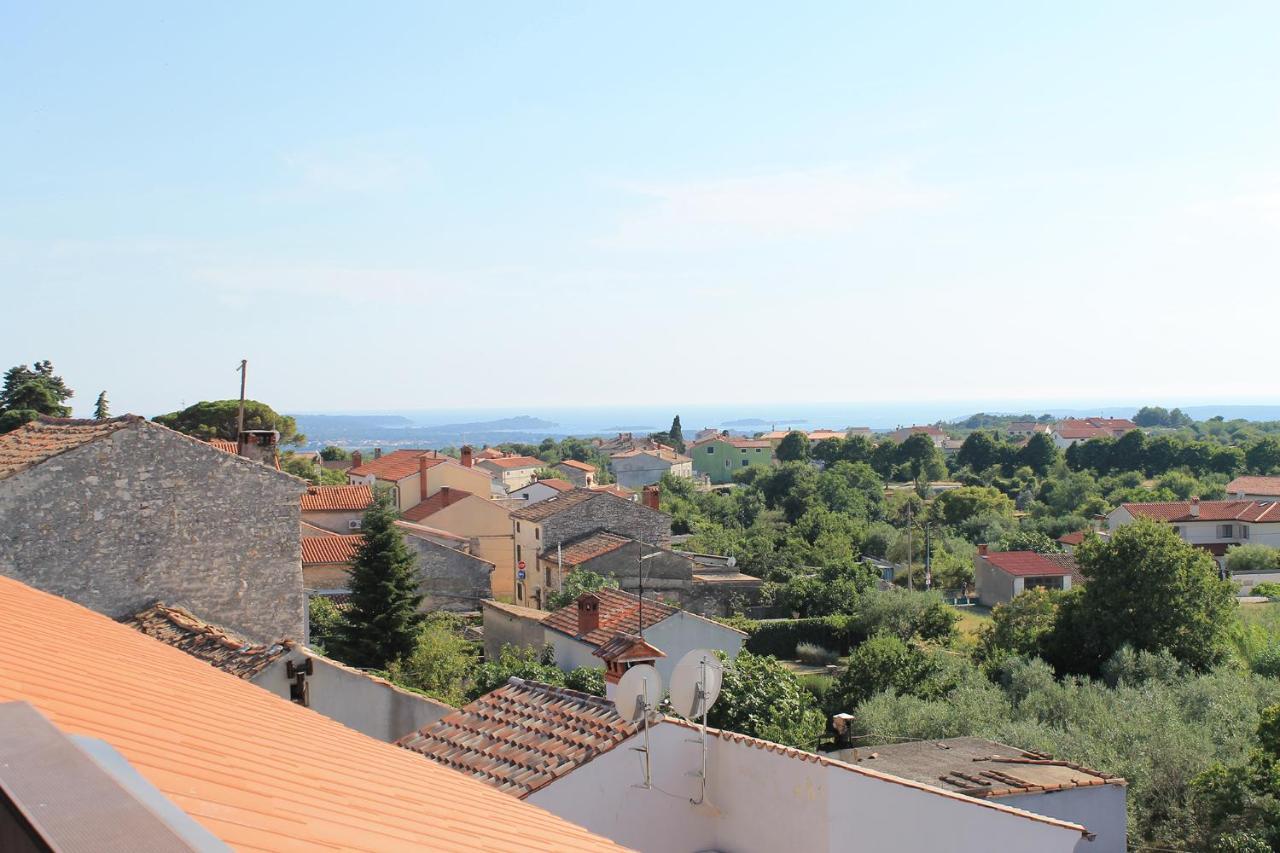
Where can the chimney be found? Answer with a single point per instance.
(652, 497)
(356, 459)
(377, 453)
(467, 459)
(982, 550)
(1195, 507)
(422, 478)
(588, 614)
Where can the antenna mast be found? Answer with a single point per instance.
(244, 371)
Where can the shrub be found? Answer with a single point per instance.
(1248, 559)
(759, 697)
(779, 638)
(1269, 589)
(585, 679)
(905, 615)
(812, 653)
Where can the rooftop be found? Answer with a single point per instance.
(233, 756)
(1030, 564)
(553, 483)
(585, 548)
(976, 767)
(545, 509)
(446, 496)
(523, 735)
(177, 627)
(397, 464)
(1268, 486)
(1252, 511)
(226, 445)
(330, 549)
(514, 462)
(581, 466)
(615, 490)
(619, 614)
(45, 438)
(337, 498)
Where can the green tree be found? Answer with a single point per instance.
(1019, 627)
(29, 392)
(218, 418)
(331, 453)
(382, 623)
(1242, 559)
(794, 447)
(323, 619)
(884, 662)
(761, 698)
(957, 506)
(979, 451)
(922, 459)
(440, 662)
(1148, 589)
(677, 434)
(101, 409)
(575, 584)
(1263, 455)
(585, 679)
(527, 662)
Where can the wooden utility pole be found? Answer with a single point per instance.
(909, 553)
(244, 370)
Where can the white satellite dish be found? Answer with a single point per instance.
(638, 693)
(695, 683)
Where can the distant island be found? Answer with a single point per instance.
(523, 422)
(631, 429)
(753, 422)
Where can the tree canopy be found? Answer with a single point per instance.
(794, 447)
(762, 698)
(218, 419)
(29, 392)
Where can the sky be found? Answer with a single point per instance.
(434, 206)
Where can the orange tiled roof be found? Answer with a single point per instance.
(581, 466)
(226, 445)
(1269, 486)
(489, 453)
(330, 549)
(515, 462)
(236, 758)
(336, 498)
(397, 464)
(42, 439)
(523, 735)
(557, 484)
(586, 548)
(183, 630)
(1031, 564)
(614, 489)
(625, 647)
(1251, 511)
(446, 496)
(553, 505)
(619, 613)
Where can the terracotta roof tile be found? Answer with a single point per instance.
(447, 496)
(337, 498)
(557, 484)
(581, 466)
(43, 439)
(1251, 511)
(625, 647)
(242, 761)
(551, 506)
(183, 630)
(397, 464)
(514, 462)
(619, 613)
(523, 735)
(1031, 564)
(615, 490)
(226, 445)
(586, 548)
(330, 549)
(1268, 486)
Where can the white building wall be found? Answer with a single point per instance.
(684, 632)
(571, 653)
(758, 800)
(1101, 808)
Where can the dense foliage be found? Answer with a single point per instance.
(219, 419)
(761, 698)
(575, 584)
(29, 392)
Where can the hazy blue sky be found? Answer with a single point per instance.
(415, 206)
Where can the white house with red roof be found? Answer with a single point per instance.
(1254, 488)
(935, 434)
(539, 490)
(1001, 576)
(511, 472)
(1069, 431)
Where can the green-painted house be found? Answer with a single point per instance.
(720, 455)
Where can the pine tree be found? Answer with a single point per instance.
(100, 409)
(383, 622)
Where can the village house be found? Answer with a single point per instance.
(114, 514)
(540, 490)
(338, 509)
(485, 523)
(326, 559)
(574, 755)
(617, 491)
(171, 754)
(645, 465)
(582, 474)
(1001, 576)
(1254, 489)
(936, 434)
(412, 476)
(1069, 431)
(578, 630)
(1026, 429)
(511, 472)
(774, 437)
(1214, 526)
(719, 456)
(988, 770)
(292, 671)
(568, 516)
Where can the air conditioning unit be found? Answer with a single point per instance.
(354, 524)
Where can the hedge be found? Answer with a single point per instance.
(780, 637)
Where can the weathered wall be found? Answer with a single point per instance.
(994, 586)
(455, 476)
(326, 576)
(451, 579)
(611, 513)
(503, 628)
(354, 698)
(334, 521)
(145, 514)
(1101, 808)
(666, 573)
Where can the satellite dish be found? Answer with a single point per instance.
(638, 692)
(691, 695)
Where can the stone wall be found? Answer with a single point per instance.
(611, 513)
(667, 574)
(451, 579)
(146, 513)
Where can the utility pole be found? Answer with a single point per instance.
(909, 554)
(928, 557)
(244, 370)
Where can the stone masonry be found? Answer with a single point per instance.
(611, 513)
(144, 514)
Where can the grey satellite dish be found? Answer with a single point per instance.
(695, 683)
(638, 692)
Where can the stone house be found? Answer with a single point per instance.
(582, 474)
(511, 472)
(571, 515)
(646, 464)
(338, 509)
(292, 671)
(412, 476)
(485, 523)
(115, 514)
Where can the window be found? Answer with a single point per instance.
(1244, 531)
(537, 533)
(519, 554)
(1043, 583)
(745, 463)
(727, 463)
(742, 450)
(547, 574)
(1226, 531)
(517, 527)
(710, 449)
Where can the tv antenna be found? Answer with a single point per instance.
(637, 695)
(695, 686)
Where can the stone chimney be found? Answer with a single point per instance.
(422, 478)
(377, 453)
(652, 497)
(260, 445)
(982, 550)
(467, 458)
(1195, 507)
(588, 614)
(356, 459)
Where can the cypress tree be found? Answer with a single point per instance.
(677, 434)
(100, 409)
(383, 622)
